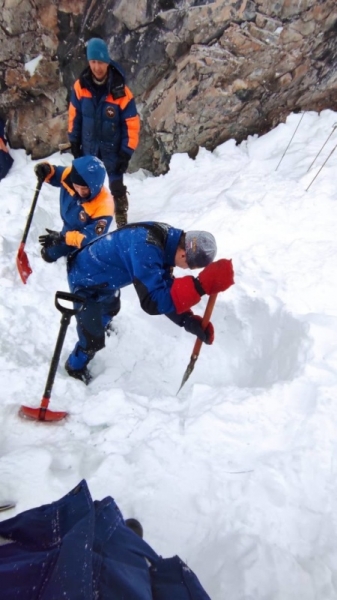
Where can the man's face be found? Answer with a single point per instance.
(99, 69)
(180, 259)
(81, 190)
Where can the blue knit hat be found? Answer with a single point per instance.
(98, 50)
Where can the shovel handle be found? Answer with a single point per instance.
(205, 320)
(32, 209)
(70, 298)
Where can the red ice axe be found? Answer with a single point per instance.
(197, 346)
(43, 413)
(22, 261)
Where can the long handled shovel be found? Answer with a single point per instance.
(22, 261)
(43, 413)
(197, 346)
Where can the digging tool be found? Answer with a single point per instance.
(197, 346)
(22, 261)
(43, 413)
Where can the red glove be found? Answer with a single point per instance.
(184, 293)
(217, 277)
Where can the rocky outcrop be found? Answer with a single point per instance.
(202, 71)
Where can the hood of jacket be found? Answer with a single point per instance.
(92, 170)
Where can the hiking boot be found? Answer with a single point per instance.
(81, 374)
(121, 211)
(135, 526)
(118, 190)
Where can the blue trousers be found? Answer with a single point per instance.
(97, 312)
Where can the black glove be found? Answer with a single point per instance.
(42, 170)
(76, 149)
(117, 188)
(192, 324)
(54, 238)
(122, 163)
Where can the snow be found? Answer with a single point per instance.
(237, 473)
(33, 64)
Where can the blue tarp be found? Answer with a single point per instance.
(77, 549)
(6, 160)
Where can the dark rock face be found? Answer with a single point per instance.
(202, 71)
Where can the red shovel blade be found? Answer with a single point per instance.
(42, 413)
(38, 414)
(22, 263)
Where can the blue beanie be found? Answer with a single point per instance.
(98, 50)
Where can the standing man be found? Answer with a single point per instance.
(142, 254)
(86, 206)
(103, 120)
(6, 160)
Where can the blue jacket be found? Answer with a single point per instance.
(140, 253)
(103, 124)
(6, 160)
(77, 549)
(83, 219)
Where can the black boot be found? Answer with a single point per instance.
(121, 211)
(81, 374)
(118, 190)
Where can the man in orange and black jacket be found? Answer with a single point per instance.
(103, 120)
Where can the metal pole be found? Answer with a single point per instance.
(290, 141)
(333, 129)
(326, 160)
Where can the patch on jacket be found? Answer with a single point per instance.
(100, 226)
(82, 216)
(110, 112)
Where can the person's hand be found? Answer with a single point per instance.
(217, 277)
(192, 324)
(76, 149)
(42, 170)
(122, 163)
(53, 238)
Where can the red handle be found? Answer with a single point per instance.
(205, 320)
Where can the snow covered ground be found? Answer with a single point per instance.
(238, 472)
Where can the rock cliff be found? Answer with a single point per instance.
(202, 71)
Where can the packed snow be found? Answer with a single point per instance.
(237, 474)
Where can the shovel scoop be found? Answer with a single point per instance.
(43, 413)
(22, 261)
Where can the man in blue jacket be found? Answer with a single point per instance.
(86, 206)
(103, 120)
(6, 160)
(142, 254)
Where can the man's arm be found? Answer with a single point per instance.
(75, 115)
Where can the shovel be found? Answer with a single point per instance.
(43, 413)
(22, 261)
(197, 346)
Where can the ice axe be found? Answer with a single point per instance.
(22, 261)
(43, 413)
(197, 346)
